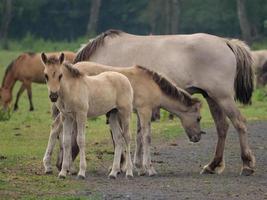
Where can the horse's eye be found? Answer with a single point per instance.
(46, 77)
(60, 76)
(198, 119)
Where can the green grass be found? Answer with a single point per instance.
(23, 140)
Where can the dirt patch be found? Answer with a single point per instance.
(178, 168)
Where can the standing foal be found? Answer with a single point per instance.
(78, 96)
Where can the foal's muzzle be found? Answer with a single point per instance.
(53, 96)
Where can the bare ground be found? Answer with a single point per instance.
(178, 166)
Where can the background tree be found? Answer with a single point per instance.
(243, 21)
(94, 14)
(6, 18)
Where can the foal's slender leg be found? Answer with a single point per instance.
(145, 116)
(138, 155)
(81, 120)
(239, 123)
(21, 90)
(217, 164)
(67, 127)
(125, 116)
(118, 144)
(54, 133)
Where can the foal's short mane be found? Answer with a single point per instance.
(91, 47)
(75, 73)
(169, 88)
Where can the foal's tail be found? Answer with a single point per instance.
(244, 80)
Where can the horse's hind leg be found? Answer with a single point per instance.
(239, 123)
(125, 116)
(217, 164)
(118, 144)
(21, 90)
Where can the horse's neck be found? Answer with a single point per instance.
(9, 80)
(173, 105)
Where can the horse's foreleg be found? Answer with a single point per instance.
(54, 133)
(67, 127)
(217, 164)
(138, 155)
(81, 120)
(145, 116)
(29, 92)
(239, 123)
(21, 90)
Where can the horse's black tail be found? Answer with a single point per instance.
(244, 80)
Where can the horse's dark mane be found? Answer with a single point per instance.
(10, 66)
(75, 73)
(86, 52)
(169, 88)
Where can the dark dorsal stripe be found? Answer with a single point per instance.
(75, 73)
(169, 88)
(86, 52)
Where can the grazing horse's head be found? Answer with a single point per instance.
(53, 74)
(191, 122)
(5, 97)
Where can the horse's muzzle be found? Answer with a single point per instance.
(53, 96)
(195, 138)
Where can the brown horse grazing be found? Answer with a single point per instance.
(26, 68)
(150, 90)
(218, 68)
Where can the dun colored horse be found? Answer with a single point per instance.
(260, 60)
(26, 68)
(218, 68)
(78, 96)
(151, 90)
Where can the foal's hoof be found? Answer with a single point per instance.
(112, 176)
(246, 171)
(48, 172)
(80, 177)
(61, 176)
(129, 176)
(152, 172)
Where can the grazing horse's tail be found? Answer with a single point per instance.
(244, 79)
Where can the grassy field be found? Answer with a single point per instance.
(23, 140)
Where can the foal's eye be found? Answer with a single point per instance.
(198, 119)
(46, 77)
(60, 76)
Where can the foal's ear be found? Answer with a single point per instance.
(197, 104)
(61, 58)
(44, 57)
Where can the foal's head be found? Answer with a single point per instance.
(191, 121)
(53, 74)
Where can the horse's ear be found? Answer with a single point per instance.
(44, 57)
(197, 104)
(61, 58)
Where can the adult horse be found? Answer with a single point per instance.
(216, 67)
(26, 68)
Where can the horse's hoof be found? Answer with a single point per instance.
(129, 176)
(152, 172)
(48, 172)
(207, 170)
(112, 176)
(246, 171)
(61, 176)
(141, 172)
(31, 109)
(80, 177)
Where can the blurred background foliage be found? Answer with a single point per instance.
(74, 20)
